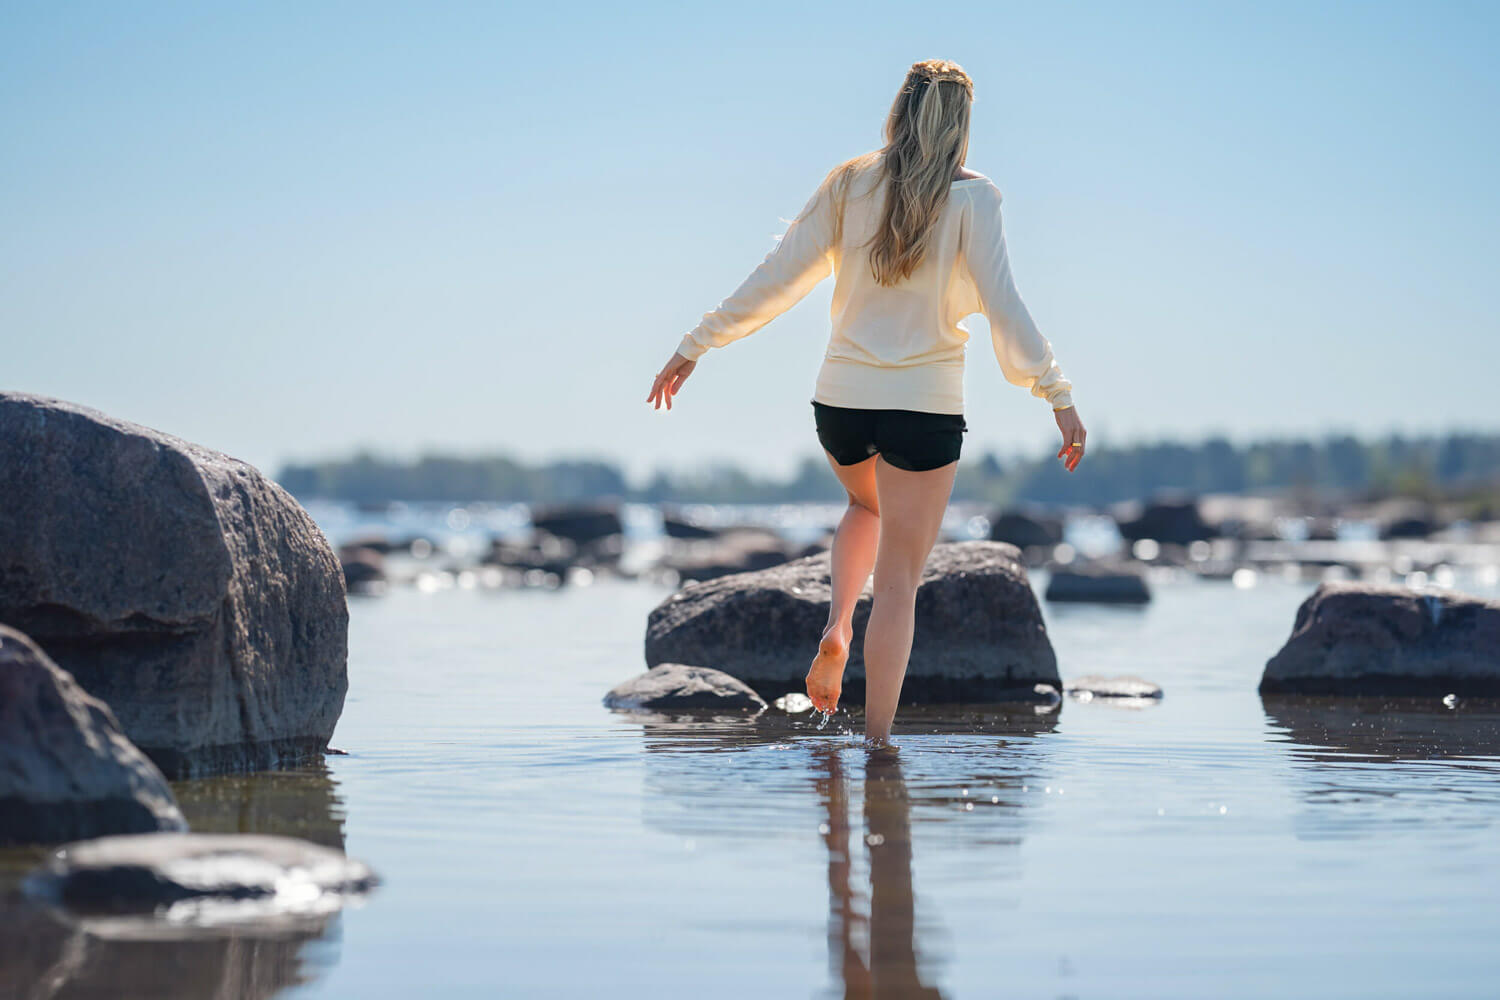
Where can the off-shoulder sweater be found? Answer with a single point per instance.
(902, 346)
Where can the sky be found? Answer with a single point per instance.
(289, 230)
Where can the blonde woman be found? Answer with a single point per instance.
(916, 243)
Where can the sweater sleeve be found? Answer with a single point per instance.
(802, 257)
(1025, 356)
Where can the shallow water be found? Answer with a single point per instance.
(535, 844)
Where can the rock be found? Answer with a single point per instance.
(67, 771)
(979, 636)
(1101, 583)
(674, 685)
(177, 584)
(581, 524)
(1024, 530)
(1174, 521)
(1356, 638)
(1095, 686)
(734, 550)
(364, 569)
(674, 526)
(146, 871)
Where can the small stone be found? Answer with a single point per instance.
(676, 685)
(1096, 686)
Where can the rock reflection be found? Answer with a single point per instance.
(1387, 729)
(50, 952)
(874, 954)
(1368, 767)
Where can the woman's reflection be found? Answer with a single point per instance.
(875, 955)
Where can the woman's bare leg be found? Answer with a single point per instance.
(851, 560)
(913, 504)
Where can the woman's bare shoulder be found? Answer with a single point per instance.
(965, 174)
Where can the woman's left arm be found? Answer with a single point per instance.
(802, 257)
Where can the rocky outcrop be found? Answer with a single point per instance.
(147, 871)
(1353, 639)
(177, 584)
(674, 685)
(979, 635)
(67, 771)
(1025, 530)
(1167, 520)
(733, 550)
(1097, 584)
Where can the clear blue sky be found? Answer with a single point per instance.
(284, 230)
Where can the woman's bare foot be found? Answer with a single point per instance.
(825, 678)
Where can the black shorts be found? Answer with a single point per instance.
(907, 439)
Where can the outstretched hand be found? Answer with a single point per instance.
(669, 380)
(1073, 437)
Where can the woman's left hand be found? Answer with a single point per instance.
(669, 380)
(1073, 436)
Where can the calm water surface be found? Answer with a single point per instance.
(535, 844)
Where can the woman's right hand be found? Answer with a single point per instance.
(1073, 437)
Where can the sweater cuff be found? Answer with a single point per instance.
(690, 348)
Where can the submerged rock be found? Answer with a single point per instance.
(179, 585)
(148, 871)
(979, 635)
(1097, 584)
(1355, 638)
(1095, 686)
(733, 550)
(675, 685)
(67, 771)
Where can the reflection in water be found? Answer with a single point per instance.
(1356, 758)
(875, 941)
(49, 952)
(874, 954)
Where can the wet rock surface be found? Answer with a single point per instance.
(67, 771)
(675, 685)
(1096, 686)
(1368, 639)
(979, 632)
(1102, 583)
(143, 872)
(179, 585)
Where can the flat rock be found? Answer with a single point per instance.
(1366, 639)
(146, 871)
(67, 770)
(1096, 686)
(675, 685)
(1097, 584)
(179, 585)
(979, 636)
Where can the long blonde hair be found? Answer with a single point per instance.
(926, 140)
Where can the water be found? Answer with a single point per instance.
(534, 843)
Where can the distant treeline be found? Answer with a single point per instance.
(1394, 465)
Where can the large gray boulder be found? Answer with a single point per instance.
(1355, 638)
(979, 637)
(179, 585)
(67, 771)
(1097, 583)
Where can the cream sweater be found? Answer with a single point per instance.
(899, 347)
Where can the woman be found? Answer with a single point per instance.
(916, 242)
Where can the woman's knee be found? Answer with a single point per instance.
(868, 504)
